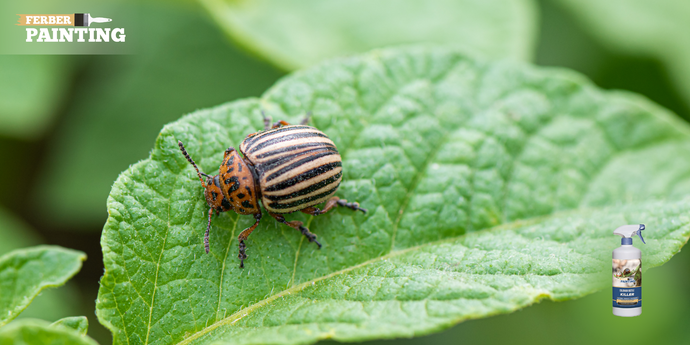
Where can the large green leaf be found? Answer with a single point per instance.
(294, 34)
(29, 332)
(78, 323)
(441, 148)
(24, 273)
(51, 303)
(649, 28)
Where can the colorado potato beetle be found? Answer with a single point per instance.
(287, 167)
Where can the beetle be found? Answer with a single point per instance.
(288, 168)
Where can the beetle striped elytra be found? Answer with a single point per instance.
(289, 168)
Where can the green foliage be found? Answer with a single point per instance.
(51, 303)
(657, 29)
(296, 34)
(183, 63)
(78, 323)
(23, 81)
(25, 272)
(30, 332)
(490, 186)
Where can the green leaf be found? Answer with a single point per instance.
(24, 273)
(50, 304)
(639, 27)
(296, 34)
(186, 64)
(441, 148)
(31, 87)
(78, 323)
(28, 332)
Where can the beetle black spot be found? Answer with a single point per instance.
(249, 190)
(240, 196)
(227, 181)
(232, 200)
(215, 195)
(235, 186)
(230, 170)
(241, 210)
(246, 204)
(230, 161)
(239, 167)
(244, 178)
(226, 204)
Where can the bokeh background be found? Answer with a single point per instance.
(69, 124)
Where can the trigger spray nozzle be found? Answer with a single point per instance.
(639, 233)
(628, 231)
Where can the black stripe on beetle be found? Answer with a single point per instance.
(250, 140)
(312, 188)
(270, 164)
(298, 163)
(304, 176)
(302, 201)
(287, 137)
(293, 148)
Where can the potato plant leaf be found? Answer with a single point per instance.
(297, 34)
(490, 186)
(51, 304)
(78, 323)
(24, 273)
(39, 332)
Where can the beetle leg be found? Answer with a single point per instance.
(312, 211)
(306, 119)
(268, 125)
(279, 123)
(243, 236)
(267, 120)
(331, 203)
(208, 229)
(295, 224)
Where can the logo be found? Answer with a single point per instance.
(74, 28)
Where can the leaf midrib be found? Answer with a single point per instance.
(158, 264)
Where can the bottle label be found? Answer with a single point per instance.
(627, 283)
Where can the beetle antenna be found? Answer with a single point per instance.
(190, 160)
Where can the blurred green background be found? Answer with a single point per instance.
(69, 124)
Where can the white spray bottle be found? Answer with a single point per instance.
(627, 273)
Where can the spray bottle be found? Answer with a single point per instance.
(627, 273)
